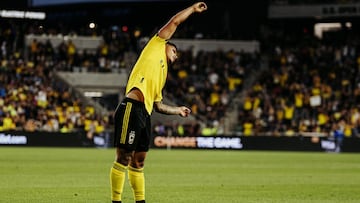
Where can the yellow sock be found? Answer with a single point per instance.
(137, 182)
(117, 180)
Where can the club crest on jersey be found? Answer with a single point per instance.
(131, 137)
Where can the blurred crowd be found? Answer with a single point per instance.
(206, 82)
(312, 86)
(31, 99)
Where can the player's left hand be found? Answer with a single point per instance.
(184, 111)
(200, 7)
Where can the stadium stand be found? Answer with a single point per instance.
(280, 90)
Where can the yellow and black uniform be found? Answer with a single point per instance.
(132, 126)
(150, 72)
(132, 118)
(132, 115)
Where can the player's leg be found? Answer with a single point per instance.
(136, 168)
(123, 125)
(136, 176)
(118, 174)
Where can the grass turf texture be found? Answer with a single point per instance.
(176, 176)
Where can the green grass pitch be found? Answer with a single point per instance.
(29, 174)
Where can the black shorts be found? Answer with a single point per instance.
(132, 126)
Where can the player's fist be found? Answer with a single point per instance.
(200, 7)
(184, 111)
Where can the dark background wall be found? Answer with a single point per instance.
(224, 19)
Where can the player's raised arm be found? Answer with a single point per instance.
(167, 31)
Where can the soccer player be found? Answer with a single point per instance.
(143, 94)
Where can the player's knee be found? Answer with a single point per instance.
(123, 157)
(123, 160)
(138, 163)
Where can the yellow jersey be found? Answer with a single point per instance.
(150, 72)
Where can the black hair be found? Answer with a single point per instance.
(172, 44)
